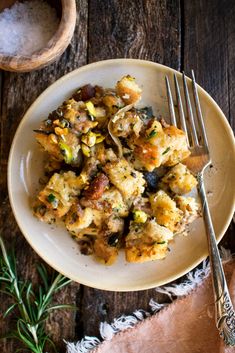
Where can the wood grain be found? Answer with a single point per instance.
(205, 46)
(144, 29)
(18, 91)
(208, 46)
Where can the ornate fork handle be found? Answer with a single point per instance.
(225, 315)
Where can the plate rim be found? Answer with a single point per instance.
(25, 118)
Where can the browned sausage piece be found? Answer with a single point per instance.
(84, 93)
(97, 187)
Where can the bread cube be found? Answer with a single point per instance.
(165, 210)
(128, 90)
(60, 192)
(126, 179)
(146, 242)
(179, 179)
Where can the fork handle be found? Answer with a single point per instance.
(224, 312)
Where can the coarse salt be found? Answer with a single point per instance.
(27, 27)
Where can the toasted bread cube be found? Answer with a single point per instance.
(189, 206)
(165, 210)
(179, 179)
(111, 202)
(114, 198)
(146, 253)
(43, 213)
(66, 149)
(59, 193)
(127, 125)
(147, 233)
(50, 144)
(149, 148)
(176, 146)
(78, 219)
(125, 178)
(161, 146)
(128, 90)
(105, 253)
(146, 242)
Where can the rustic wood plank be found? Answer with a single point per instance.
(205, 46)
(144, 29)
(208, 46)
(100, 306)
(18, 92)
(138, 29)
(230, 39)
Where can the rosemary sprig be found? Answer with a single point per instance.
(33, 305)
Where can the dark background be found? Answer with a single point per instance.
(198, 34)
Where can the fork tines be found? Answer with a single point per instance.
(189, 125)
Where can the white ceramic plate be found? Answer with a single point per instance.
(54, 244)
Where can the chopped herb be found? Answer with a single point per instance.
(152, 134)
(161, 242)
(53, 200)
(167, 150)
(133, 174)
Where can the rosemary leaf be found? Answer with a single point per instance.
(33, 302)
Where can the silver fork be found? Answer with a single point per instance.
(198, 161)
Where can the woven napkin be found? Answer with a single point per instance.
(185, 326)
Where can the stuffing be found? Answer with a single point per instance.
(113, 174)
(176, 146)
(111, 202)
(105, 253)
(114, 224)
(129, 181)
(189, 206)
(165, 210)
(127, 125)
(147, 241)
(146, 252)
(128, 90)
(179, 180)
(112, 102)
(160, 146)
(60, 192)
(49, 142)
(61, 145)
(78, 219)
(43, 213)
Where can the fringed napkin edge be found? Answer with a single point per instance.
(174, 291)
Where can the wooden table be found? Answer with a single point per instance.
(198, 34)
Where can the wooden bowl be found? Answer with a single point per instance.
(66, 10)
